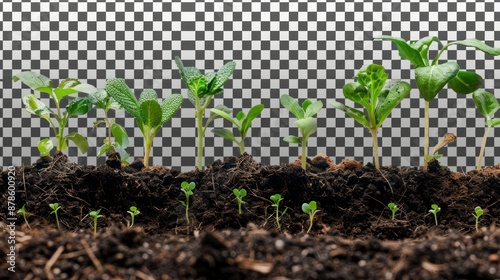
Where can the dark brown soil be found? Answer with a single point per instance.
(353, 236)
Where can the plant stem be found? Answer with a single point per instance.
(483, 145)
(187, 209)
(426, 135)
(374, 131)
(436, 218)
(477, 227)
(393, 214)
(310, 224)
(95, 226)
(108, 124)
(239, 207)
(131, 224)
(147, 149)
(57, 221)
(304, 151)
(199, 124)
(26, 221)
(277, 219)
(242, 146)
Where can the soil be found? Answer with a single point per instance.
(353, 235)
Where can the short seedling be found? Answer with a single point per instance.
(23, 212)
(377, 96)
(277, 199)
(394, 208)
(242, 123)
(187, 189)
(305, 121)
(447, 139)
(55, 207)
(478, 213)
(239, 197)
(487, 105)
(95, 215)
(310, 209)
(133, 212)
(435, 209)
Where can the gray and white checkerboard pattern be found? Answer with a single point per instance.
(308, 49)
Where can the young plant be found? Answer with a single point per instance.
(201, 90)
(435, 209)
(431, 77)
(306, 123)
(239, 197)
(76, 107)
(276, 199)
(447, 139)
(377, 96)
(310, 209)
(95, 215)
(487, 105)
(394, 208)
(23, 212)
(242, 123)
(478, 213)
(148, 113)
(55, 207)
(133, 212)
(187, 189)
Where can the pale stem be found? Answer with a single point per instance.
(310, 224)
(304, 151)
(57, 220)
(199, 124)
(426, 135)
(242, 146)
(187, 209)
(147, 149)
(373, 131)
(108, 124)
(483, 145)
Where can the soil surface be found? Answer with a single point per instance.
(353, 235)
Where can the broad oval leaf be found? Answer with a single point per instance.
(170, 106)
(225, 116)
(224, 133)
(308, 126)
(34, 106)
(104, 149)
(313, 205)
(252, 114)
(35, 81)
(486, 103)
(120, 135)
(357, 115)
(431, 79)
(292, 105)
(313, 109)
(151, 113)
(466, 82)
(45, 146)
(121, 93)
(292, 139)
(79, 140)
(406, 51)
(305, 208)
(148, 95)
(358, 93)
(493, 122)
(389, 98)
(79, 106)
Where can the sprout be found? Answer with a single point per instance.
(478, 213)
(133, 212)
(394, 208)
(277, 199)
(187, 189)
(435, 209)
(310, 209)
(95, 215)
(239, 197)
(23, 212)
(55, 207)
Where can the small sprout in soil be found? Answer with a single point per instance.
(377, 96)
(187, 189)
(478, 213)
(239, 197)
(242, 123)
(487, 105)
(447, 139)
(394, 208)
(133, 212)
(23, 212)
(305, 121)
(201, 89)
(310, 209)
(277, 199)
(55, 207)
(95, 215)
(435, 209)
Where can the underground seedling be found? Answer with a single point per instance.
(394, 208)
(276, 199)
(478, 212)
(23, 212)
(239, 198)
(187, 189)
(95, 215)
(310, 209)
(133, 212)
(55, 207)
(435, 209)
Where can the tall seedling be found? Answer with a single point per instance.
(148, 113)
(377, 96)
(431, 77)
(487, 105)
(201, 90)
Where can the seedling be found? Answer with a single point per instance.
(133, 212)
(305, 121)
(435, 209)
(201, 90)
(95, 215)
(242, 123)
(394, 208)
(187, 189)
(478, 213)
(447, 139)
(487, 105)
(55, 207)
(277, 199)
(23, 212)
(432, 77)
(148, 113)
(377, 96)
(239, 197)
(76, 107)
(310, 209)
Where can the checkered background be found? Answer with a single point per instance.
(306, 49)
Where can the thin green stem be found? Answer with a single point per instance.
(483, 145)
(277, 218)
(435, 60)
(374, 131)
(132, 223)
(95, 226)
(477, 224)
(57, 220)
(187, 209)
(239, 207)
(311, 218)
(426, 135)
(436, 218)
(199, 124)
(26, 221)
(108, 124)
(304, 151)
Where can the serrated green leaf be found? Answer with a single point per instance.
(148, 95)
(222, 76)
(292, 139)
(308, 126)
(121, 93)
(358, 93)
(151, 113)
(353, 113)
(313, 109)
(466, 82)
(406, 51)
(486, 103)
(431, 79)
(45, 146)
(34, 106)
(393, 93)
(79, 140)
(247, 121)
(170, 106)
(35, 81)
(292, 105)
(79, 106)
(120, 135)
(224, 133)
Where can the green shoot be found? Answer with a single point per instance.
(305, 121)
(95, 215)
(310, 209)
(377, 96)
(435, 209)
(201, 90)
(148, 113)
(276, 203)
(242, 123)
(55, 207)
(239, 197)
(487, 105)
(394, 208)
(187, 189)
(478, 213)
(133, 212)
(23, 212)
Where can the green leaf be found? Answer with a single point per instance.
(373, 77)
(151, 113)
(224, 133)
(79, 106)
(79, 140)
(225, 116)
(306, 104)
(305, 208)
(222, 108)
(66, 87)
(406, 51)
(493, 122)
(422, 46)
(99, 98)
(313, 109)
(292, 139)
(353, 113)
(252, 114)
(486, 103)
(390, 96)
(120, 135)
(478, 45)
(34, 106)
(243, 193)
(35, 81)
(198, 86)
(466, 82)
(123, 154)
(292, 105)
(45, 146)
(188, 186)
(148, 95)
(358, 93)
(105, 148)
(431, 79)
(240, 115)
(170, 106)
(86, 88)
(308, 126)
(222, 76)
(121, 93)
